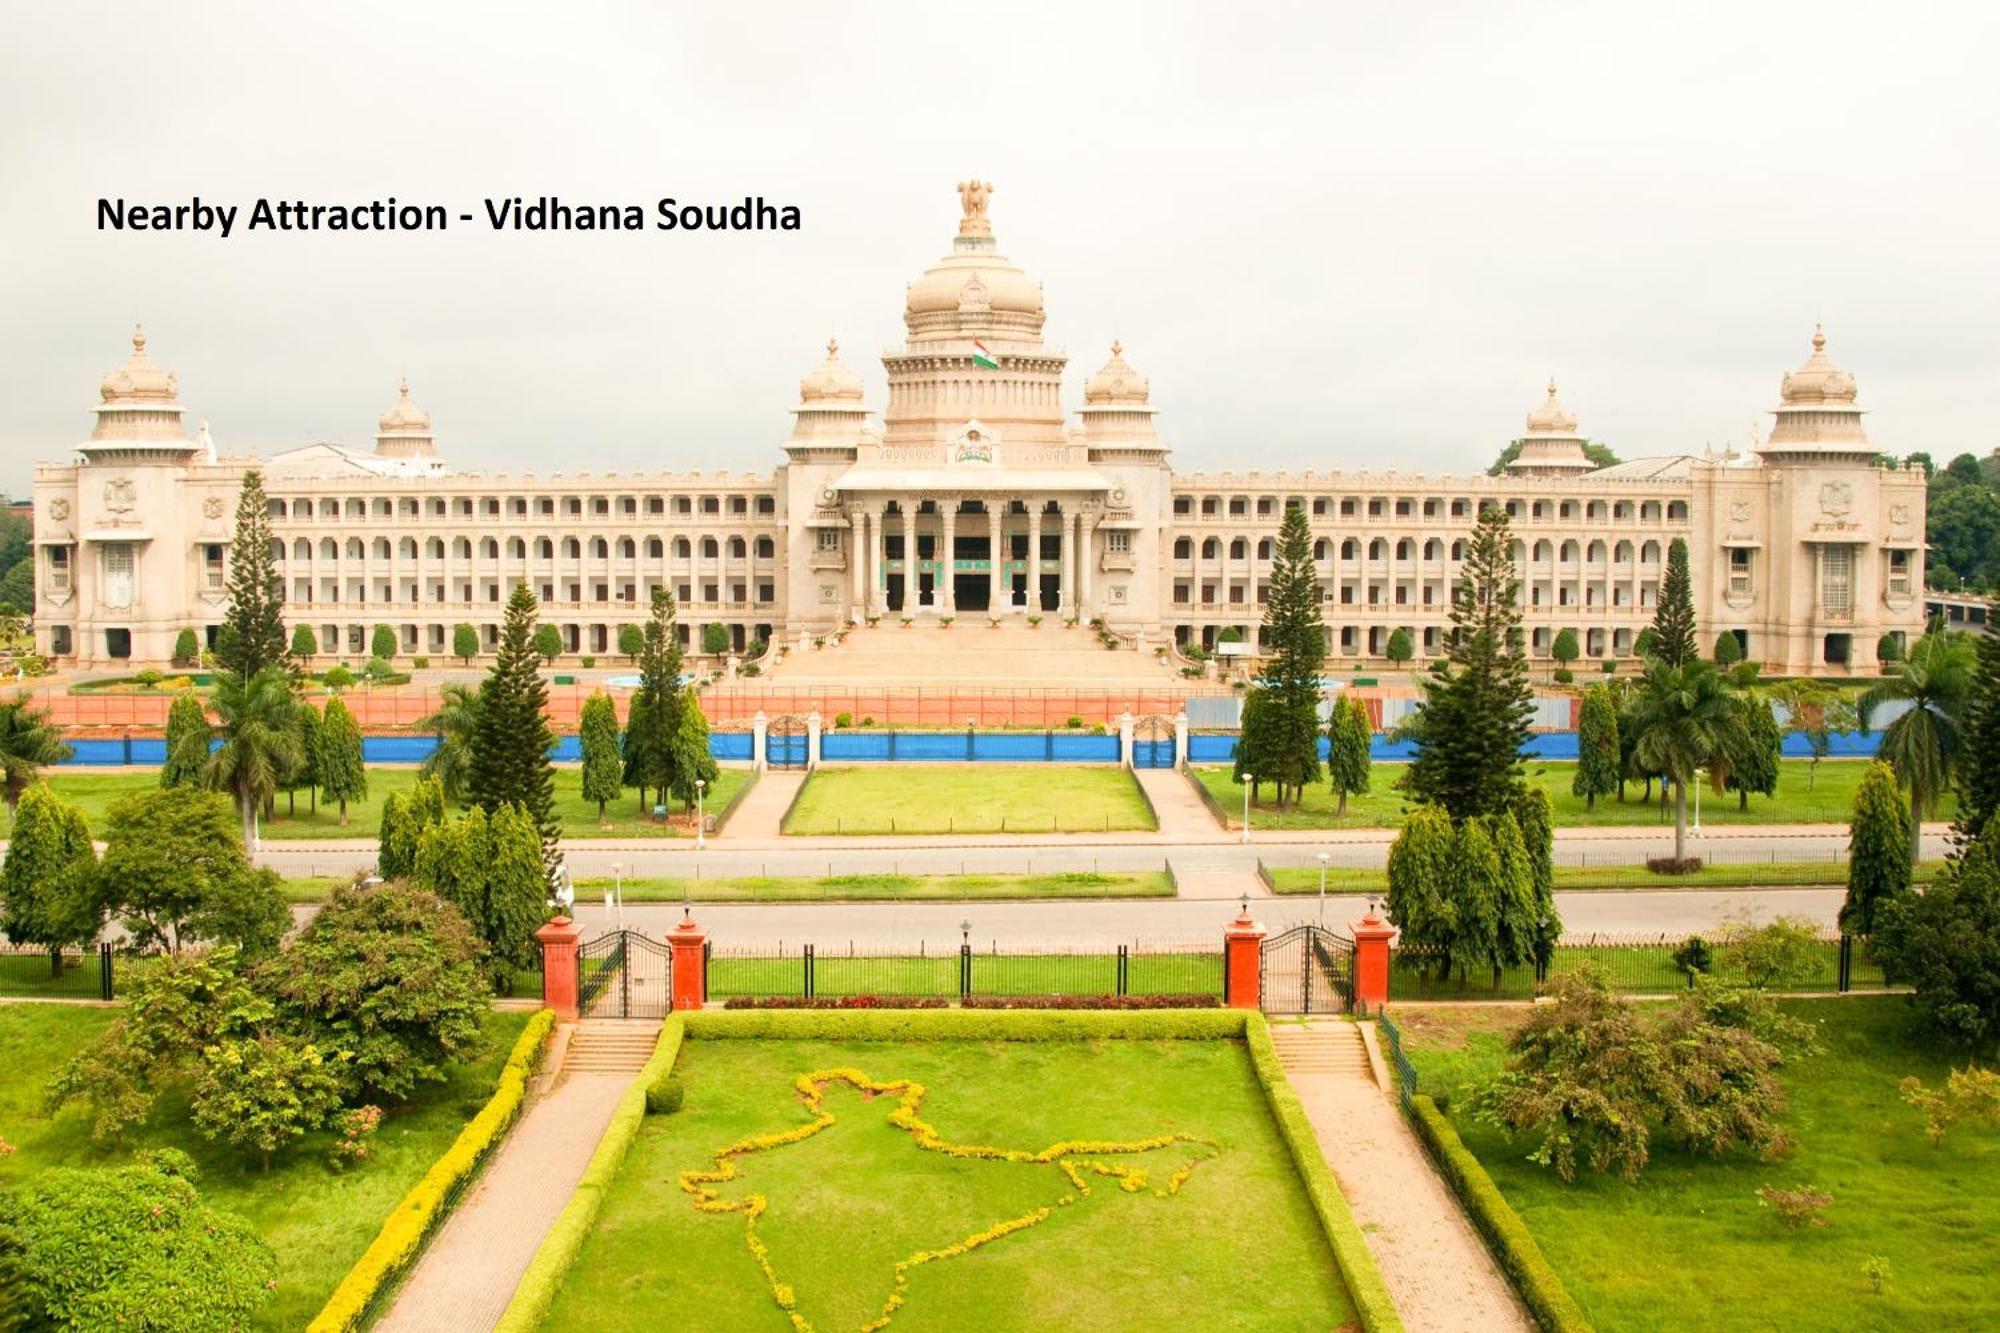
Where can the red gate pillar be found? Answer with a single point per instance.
(1371, 961)
(1242, 962)
(690, 976)
(558, 940)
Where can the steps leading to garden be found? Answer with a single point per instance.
(1333, 1048)
(611, 1046)
(972, 652)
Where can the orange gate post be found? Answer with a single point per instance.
(690, 977)
(558, 939)
(1242, 962)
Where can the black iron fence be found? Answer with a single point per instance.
(58, 974)
(816, 972)
(1634, 964)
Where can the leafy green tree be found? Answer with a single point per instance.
(252, 635)
(633, 749)
(464, 643)
(1945, 942)
(45, 881)
(395, 840)
(1680, 716)
(1399, 649)
(1673, 619)
(305, 644)
(1815, 711)
(1482, 885)
(1565, 650)
(603, 771)
(1728, 652)
(1889, 648)
(1597, 751)
(382, 643)
(517, 889)
(17, 588)
(1755, 749)
(1536, 925)
(1294, 637)
(547, 643)
(1349, 735)
(342, 776)
(187, 740)
(1477, 701)
(338, 678)
(631, 641)
(509, 761)
(1964, 529)
(260, 743)
(135, 1248)
(1878, 849)
(454, 724)
(306, 722)
(453, 859)
(1924, 742)
(389, 974)
(174, 871)
(1979, 760)
(187, 648)
(714, 638)
(28, 743)
(692, 761)
(265, 1090)
(1777, 954)
(654, 719)
(1420, 902)
(1254, 741)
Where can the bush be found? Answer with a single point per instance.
(1785, 951)
(1694, 956)
(843, 719)
(1610, 666)
(1668, 865)
(587, 661)
(149, 679)
(714, 638)
(664, 1097)
(835, 1002)
(337, 677)
(187, 648)
(382, 643)
(1967, 1094)
(420, 663)
(1563, 675)
(1797, 1209)
(1073, 722)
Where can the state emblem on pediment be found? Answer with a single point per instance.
(1899, 514)
(212, 507)
(1740, 511)
(120, 495)
(973, 444)
(1835, 499)
(59, 510)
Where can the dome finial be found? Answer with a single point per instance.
(833, 349)
(139, 338)
(1819, 336)
(1117, 347)
(403, 388)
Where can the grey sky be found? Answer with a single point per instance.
(1332, 235)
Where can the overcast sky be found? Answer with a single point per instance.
(1332, 235)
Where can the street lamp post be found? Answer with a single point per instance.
(1246, 809)
(1323, 859)
(618, 890)
(700, 814)
(1699, 774)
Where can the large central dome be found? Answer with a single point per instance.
(974, 292)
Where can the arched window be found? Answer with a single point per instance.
(1405, 548)
(462, 548)
(303, 509)
(301, 549)
(545, 549)
(1458, 550)
(1210, 547)
(1649, 554)
(434, 548)
(1569, 552)
(572, 549)
(517, 548)
(627, 548)
(600, 549)
(277, 548)
(1677, 511)
(681, 548)
(737, 548)
(1264, 549)
(655, 548)
(766, 548)
(1595, 553)
(1544, 552)
(489, 549)
(1378, 549)
(1649, 512)
(1622, 553)
(1319, 549)
(328, 550)
(1238, 548)
(708, 548)
(1433, 549)
(407, 548)
(1350, 549)
(353, 548)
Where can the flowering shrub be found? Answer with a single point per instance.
(357, 1135)
(1802, 1207)
(1076, 1159)
(836, 1002)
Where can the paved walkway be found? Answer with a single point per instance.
(469, 1273)
(766, 804)
(1183, 817)
(1437, 1268)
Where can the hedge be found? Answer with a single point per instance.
(1372, 1301)
(403, 1234)
(558, 1250)
(1506, 1234)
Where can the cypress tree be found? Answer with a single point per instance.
(638, 765)
(659, 686)
(187, 742)
(1878, 850)
(1538, 836)
(1516, 924)
(1420, 902)
(1253, 741)
(603, 774)
(1979, 761)
(510, 745)
(338, 762)
(1477, 701)
(1480, 889)
(692, 761)
(1295, 639)
(1349, 733)
(426, 804)
(306, 720)
(1728, 652)
(517, 888)
(1598, 755)
(305, 644)
(1673, 619)
(252, 635)
(396, 843)
(1754, 752)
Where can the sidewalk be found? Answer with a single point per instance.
(758, 817)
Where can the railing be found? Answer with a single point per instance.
(58, 974)
(1143, 968)
(1634, 965)
(1406, 1073)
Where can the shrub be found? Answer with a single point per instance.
(1785, 951)
(1671, 865)
(1797, 1209)
(665, 1096)
(149, 679)
(420, 663)
(843, 719)
(1876, 1269)
(587, 661)
(714, 638)
(1694, 955)
(1563, 675)
(1091, 1001)
(836, 1002)
(1610, 666)
(1967, 1094)
(187, 649)
(382, 643)
(357, 1136)
(1073, 722)
(338, 677)
(868, 721)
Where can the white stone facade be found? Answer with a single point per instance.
(1804, 547)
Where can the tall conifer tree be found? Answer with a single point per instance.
(1598, 755)
(652, 727)
(1673, 619)
(1979, 764)
(337, 761)
(511, 740)
(1287, 752)
(252, 635)
(1878, 850)
(603, 774)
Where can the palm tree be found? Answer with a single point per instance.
(1680, 717)
(454, 722)
(28, 741)
(260, 742)
(1922, 744)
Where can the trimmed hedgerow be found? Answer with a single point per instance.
(1092, 1002)
(425, 1206)
(1507, 1236)
(1350, 1248)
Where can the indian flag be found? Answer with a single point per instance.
(982, 358)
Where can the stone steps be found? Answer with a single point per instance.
(611, 1046)
(1332, 1049)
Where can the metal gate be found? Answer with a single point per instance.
(1306, 970)
(1153, 742)
(785, 742)
(622, 974)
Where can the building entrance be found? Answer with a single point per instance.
(972, 592)
(1051, 598)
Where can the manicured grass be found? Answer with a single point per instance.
(93, 793)
(842, 888)
(1689, 1246)
(1237, 1246)
(839, 972)
(1748, 875)
(1633, 969)
(971, 798)
(1828, 800)
(317, 1220)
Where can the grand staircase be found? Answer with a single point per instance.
(972, 652)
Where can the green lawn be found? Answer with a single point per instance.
(1747, 875)
(969, 798)
(871, 888)
(1689, 1246)
(1237, 1247)
(317, 1220)
(1829, 799)
(93, 793)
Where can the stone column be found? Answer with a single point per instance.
(947, 530)
(1065, 586)
(1242, 962)
(1034, 598)
(1125, 739)
(558, 940)
(759, 729)
(1086, 542)
(878, 574)
(812, 740)
(857, 545)
(690, 975)
(1371, 961)
(996, 596)
(1180, 739)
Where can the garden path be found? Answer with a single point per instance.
(762, 810)
(1180, 810)
(1438, 1270)
(468, 1275)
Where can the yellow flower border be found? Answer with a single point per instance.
(1072, 1156)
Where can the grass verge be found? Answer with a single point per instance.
(1748, 875)
(968, 798)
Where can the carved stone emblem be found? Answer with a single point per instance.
(1899, 515)
(59, 509)
(1835, 499)
(1740, 511)
(212, 507)
(974, 448)
(120, 495)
